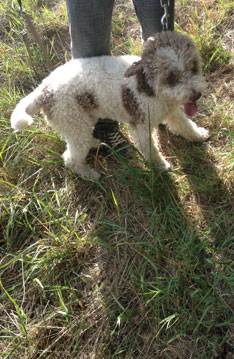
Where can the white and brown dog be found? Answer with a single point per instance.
(140, 91)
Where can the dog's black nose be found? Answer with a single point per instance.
(195, 96)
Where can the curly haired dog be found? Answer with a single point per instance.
(139, 91)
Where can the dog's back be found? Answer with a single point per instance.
(84, 81)
(101, 74)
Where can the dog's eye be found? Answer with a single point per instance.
(172, 78)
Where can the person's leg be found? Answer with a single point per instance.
(90, 27)
(149, 13)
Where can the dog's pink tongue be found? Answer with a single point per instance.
(190, 108)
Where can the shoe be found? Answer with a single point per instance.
(107, 131)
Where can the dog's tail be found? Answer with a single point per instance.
(28, 106)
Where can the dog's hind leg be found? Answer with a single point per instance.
(179, 124)
(76, 154)
(147, 145)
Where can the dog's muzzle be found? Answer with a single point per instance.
(196, 95)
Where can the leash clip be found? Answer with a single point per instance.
(164, 19)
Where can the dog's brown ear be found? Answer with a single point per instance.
(135, 68)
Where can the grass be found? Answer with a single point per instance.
(140, 264)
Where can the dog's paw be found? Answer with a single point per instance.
(204, 134)
(161, 165)
(201, 135)
(92, 174)
(84, 170)
(87, 172)
(164, 165)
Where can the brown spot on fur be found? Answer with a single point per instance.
(131, 105)
(137, 68)
(47, 99)
(143, 85)
(87, 101)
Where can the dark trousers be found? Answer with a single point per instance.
(90, 23)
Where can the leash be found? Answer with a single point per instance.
(29, 25)
(164, 19)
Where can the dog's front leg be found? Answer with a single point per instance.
(179, 124)
(146, 143)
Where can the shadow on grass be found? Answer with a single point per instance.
(161, 287)
(212, 195)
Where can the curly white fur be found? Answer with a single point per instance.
(127, 89)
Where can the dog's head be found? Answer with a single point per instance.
(170, 66)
